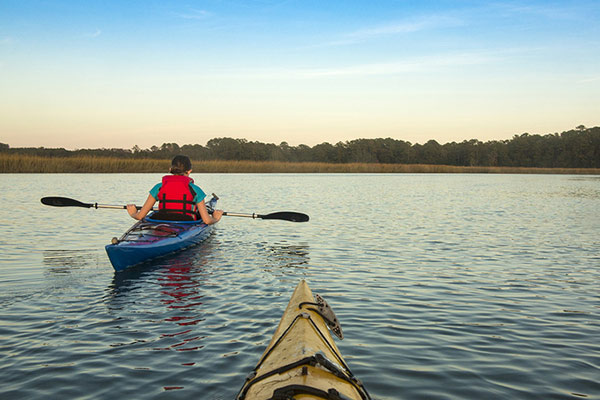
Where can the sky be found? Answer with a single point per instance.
(116, 74)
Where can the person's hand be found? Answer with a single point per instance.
(217, 214)
(132, 210)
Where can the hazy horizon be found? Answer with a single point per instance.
(277, 144)
(115, 75)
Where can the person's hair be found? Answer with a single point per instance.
(180, 165)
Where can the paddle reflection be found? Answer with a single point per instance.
(63, 261)
(285, 255)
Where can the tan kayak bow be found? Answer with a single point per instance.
(302, 360)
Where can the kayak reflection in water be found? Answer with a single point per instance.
(178, 197)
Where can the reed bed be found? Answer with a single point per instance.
(19, 163)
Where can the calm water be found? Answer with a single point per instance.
(447, 286)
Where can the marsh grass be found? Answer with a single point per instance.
(18, 163)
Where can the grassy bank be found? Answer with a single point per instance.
(16, 163)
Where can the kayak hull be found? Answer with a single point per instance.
(128, 253)
(150, 238)
(302, 360)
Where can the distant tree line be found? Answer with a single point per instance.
(577, 148)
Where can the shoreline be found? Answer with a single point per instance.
(17, 163)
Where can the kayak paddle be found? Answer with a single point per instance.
(67, 202)
(283, 215)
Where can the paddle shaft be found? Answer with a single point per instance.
(96, 205)
(233, 214)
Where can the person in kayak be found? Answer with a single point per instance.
(179, 198)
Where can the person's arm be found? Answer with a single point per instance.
(132, 209)
(206, 217)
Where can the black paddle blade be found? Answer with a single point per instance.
(286, 216)
(64, 202)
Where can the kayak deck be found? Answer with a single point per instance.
(302, 361)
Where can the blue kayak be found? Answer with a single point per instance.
(151, 238)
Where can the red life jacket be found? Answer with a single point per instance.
(177, 195)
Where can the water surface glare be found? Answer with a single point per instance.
(446, 286)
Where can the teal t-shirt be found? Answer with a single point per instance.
(200, 195)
